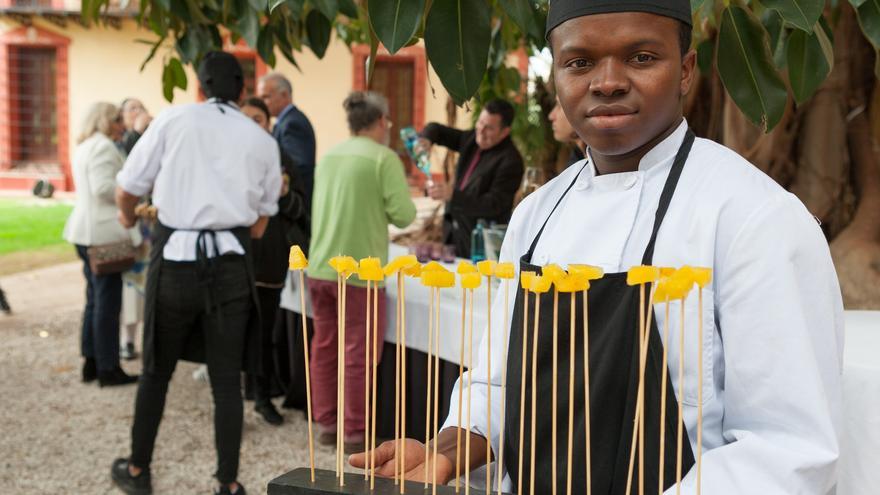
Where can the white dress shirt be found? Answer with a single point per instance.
(772, 317)
(209, 167)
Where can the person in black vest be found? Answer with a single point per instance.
(271, 251)
(215, 178)
(649, 192)
(488, 173)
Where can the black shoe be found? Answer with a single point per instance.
(267, 410)
(224, 490)
(89, 371)
(132, 485)
(127, 352)
(115, 377)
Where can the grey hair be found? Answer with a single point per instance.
(98, 119)
(278, 78)
(363, 109)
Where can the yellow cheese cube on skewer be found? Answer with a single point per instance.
(433, 266)
(589, 271)
(466, 267)
(471, 280)
(486, 267)
(573, 283)
(400, 263)
(343, 265)
(526, 279)
(441, 279)
(702, 276)
(370, 269)
(541, 284)
(413, 271)
(554, 272)
(297, 259)
(642, 274)
(505, 270)
(666, 271)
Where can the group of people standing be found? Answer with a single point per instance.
(220, 195)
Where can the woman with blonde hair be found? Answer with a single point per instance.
(93, 222)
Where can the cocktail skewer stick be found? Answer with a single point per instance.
(526, 279)
(640, 275)
(487, 269)
(464, 268)
(702, 276)
(298, 262)
(540, 285)
(506, 272)
(470, 281)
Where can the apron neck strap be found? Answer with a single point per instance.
(663, 205)
(668, 191)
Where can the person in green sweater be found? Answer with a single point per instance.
(360, 188)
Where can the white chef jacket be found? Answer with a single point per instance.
(209, 167)
(773, 314)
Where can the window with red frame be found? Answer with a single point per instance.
(34, 122)
(393, 78)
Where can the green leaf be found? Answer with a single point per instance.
(775, 27)
(457, 38)
(327, 7)
(746, 68)
(152, 53)
(177, 73)
(523, 14)
(258, 5)
(395, 21)
(318, 32)
(857, 3)
(168, 83)
(869, 19)
(348, 8)
(195, 12)
(803, 14)
(296, 8)
(696, 4)
(807, 64)
(705, 55)
(266, 46)
(274, 4)
(249, 26)
(371, 63)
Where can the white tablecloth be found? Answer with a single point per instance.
(860, 436)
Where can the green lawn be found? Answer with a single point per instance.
(28, 224)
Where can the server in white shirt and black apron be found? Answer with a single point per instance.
(215, 178)
(649, 192)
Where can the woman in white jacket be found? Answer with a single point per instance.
(94, 222)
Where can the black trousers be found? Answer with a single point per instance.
(182, 309)
(269, 299)
(100, 322)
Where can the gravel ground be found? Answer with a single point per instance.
(60, 435)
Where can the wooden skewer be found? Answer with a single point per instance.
(700, 395)
(555, 380)
(403, 386)
(534, 392)
(587, 392)
(341, 367)
(639, 393)
(397, 462)
(522, 391)
(339, 390)
(646, 341)
(488, 384)
(460, 388)
(506, 337)
(428, 389)
(436, 385)
(571, 343)
(374, 369)
(467, 441)
(367, 384)
(663, 376)
(305, 332)
(679, 426)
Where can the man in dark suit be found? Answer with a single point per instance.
(292, 128)
(487, 176)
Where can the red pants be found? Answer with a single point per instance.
(324, 354)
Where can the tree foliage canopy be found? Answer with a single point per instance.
(765, 51)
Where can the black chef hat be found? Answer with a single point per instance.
(563, 10)
(220, 76)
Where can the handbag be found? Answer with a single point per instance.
(116, 257)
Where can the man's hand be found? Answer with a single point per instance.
(142, 121)
(125, 220)
(414, 464)
(440, 191)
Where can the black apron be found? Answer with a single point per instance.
(194, 350)
(614, 369)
